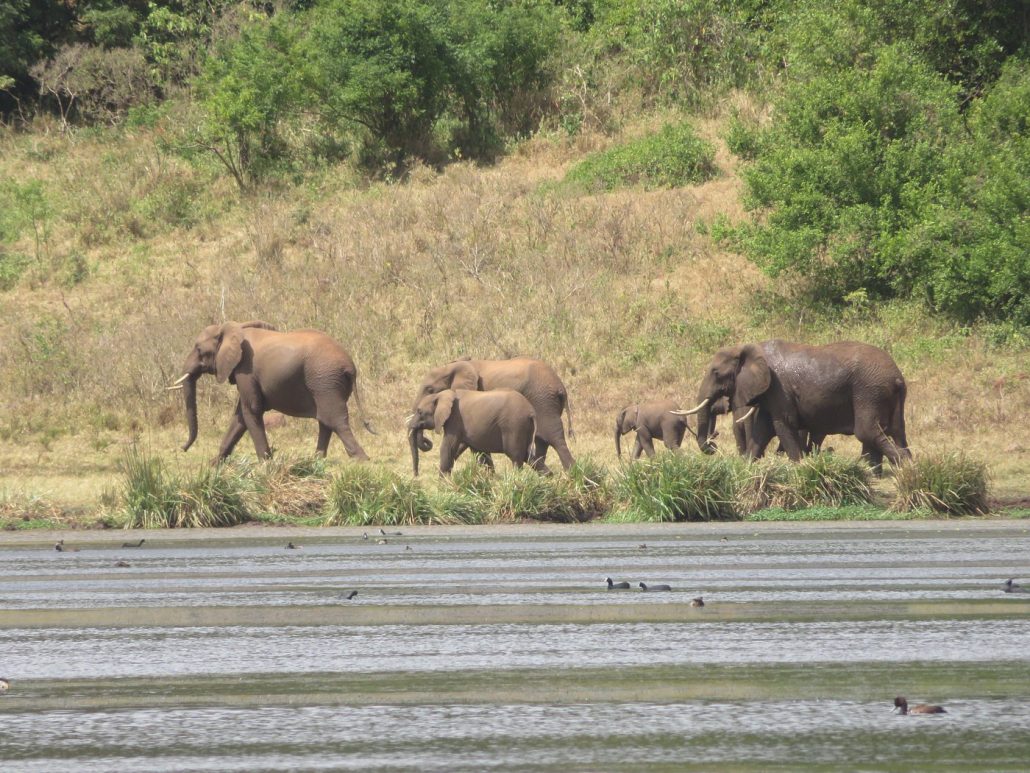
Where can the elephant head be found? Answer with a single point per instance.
(625, 422)
(431, 413)
(739, 374)
(460, 374)
(219, 349)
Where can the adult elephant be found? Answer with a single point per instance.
(846, 388)
(657, 420)
(304, 373)
(534, 379)
(500, 421)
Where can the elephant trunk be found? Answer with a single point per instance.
(618, 438)
(189, 388)
(413, 442)
(704, 423)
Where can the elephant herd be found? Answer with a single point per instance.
(796, 393)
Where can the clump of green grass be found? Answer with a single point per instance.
(822, 479)
(681, 487)
(152, 498)
(289, 488)
(369, 494)
(949, 483)
(452, 506)
(674, 156)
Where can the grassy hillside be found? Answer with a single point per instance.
(131, 250)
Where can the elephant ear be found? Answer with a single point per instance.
(464, 375)
(444, 405)
(753, 377)
(230, 351)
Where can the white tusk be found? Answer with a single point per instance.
(173, 388)
(181, 378)
(747, 415)
(692, 411)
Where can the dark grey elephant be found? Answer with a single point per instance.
(846, 388)
(657, 420)
(500, 421)
(304, 373)
(533, 379)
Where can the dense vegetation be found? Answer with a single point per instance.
(893, 161)
(618, 186)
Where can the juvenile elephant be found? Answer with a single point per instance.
(500, 421)
(304, 373)
(846, 388)
(533, 379)
(657, 420)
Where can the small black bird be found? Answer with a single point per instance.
(60, 548)
(616, 585)
(351, 595)
(391, 533)
(1010, 586)
(364, 535)
(133, 544)
(654, 587)
(698, 602)
(123, 564)
(291, 546)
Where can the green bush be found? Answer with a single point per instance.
(682, 487)
(949, 483)
(368, 494)
(674, 156)
(151, 498)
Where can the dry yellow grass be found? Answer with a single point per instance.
(622, 293)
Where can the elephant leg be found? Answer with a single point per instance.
(232, 435)
(255, 422)
(325, 434)
(450, 449)
(672, 436)
(873, 457)
(644, 438)
(875, 442)
(788, 439)
(638, 449)
(539, 453)
(340, 423)
(551, 431)
(484, 459)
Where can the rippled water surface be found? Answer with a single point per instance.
(468, 650)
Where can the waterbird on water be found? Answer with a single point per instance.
(616, 585)
(60, 548)
(291, 546)
(351, 595)
(123, 564)
(1010, 586)
(645, 587)
(901, 707)
(4, 686)
(391, 533)
(133, 544)
(698, 602)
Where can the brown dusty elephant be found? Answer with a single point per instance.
(500, 421)
(535, 380)
(658, 420)
(304, 373)
(846, 388)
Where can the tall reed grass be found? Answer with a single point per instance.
(947, 483)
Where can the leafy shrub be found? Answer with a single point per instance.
(682, 487)
(950, 483)
(151, 498)
(674, 156)
(366, 494)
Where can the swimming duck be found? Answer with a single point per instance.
(698, 602)
(60, 548)
(616, 585)
(654, 587)
(901, 706)
(291, 546)
(351, 595)
(133, 544)
(1010, 586)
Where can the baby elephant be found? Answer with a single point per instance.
(654, 421)
(500, 421)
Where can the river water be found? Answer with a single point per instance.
(470, 649)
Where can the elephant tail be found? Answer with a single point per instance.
(361, 407)
(568, 410)
(531, 454)
(897, 423)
